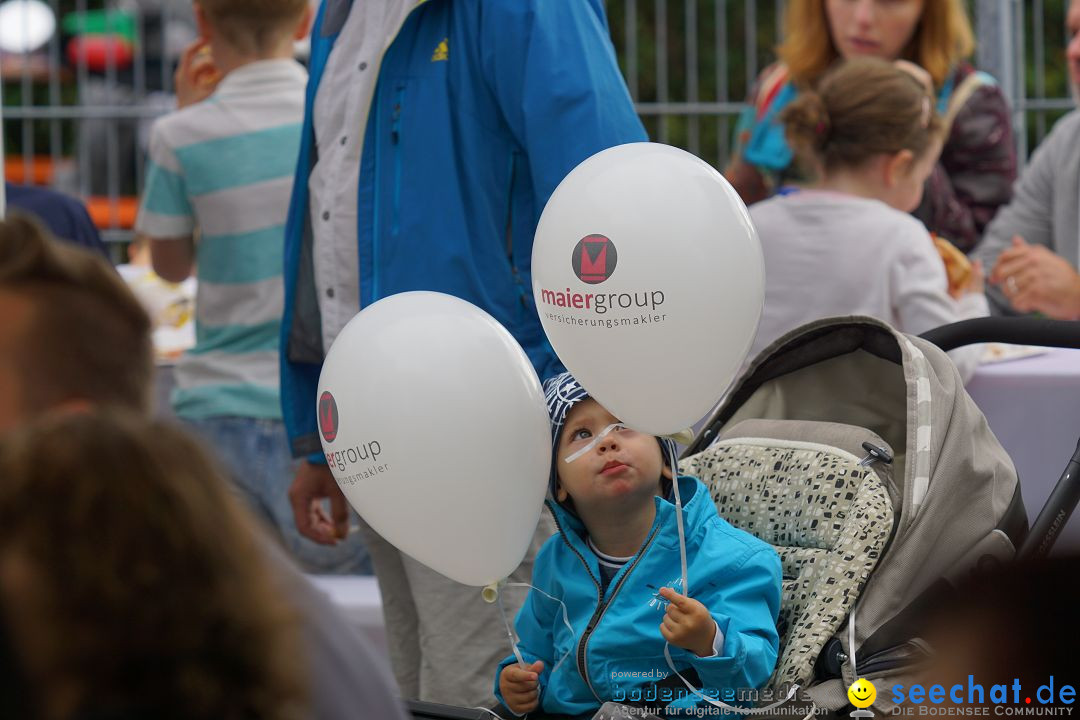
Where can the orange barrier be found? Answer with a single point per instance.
(110, 213)
(41, 170)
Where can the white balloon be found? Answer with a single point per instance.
(649, 280)
(434, 424)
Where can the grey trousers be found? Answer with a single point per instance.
(444, 640)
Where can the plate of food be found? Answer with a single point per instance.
(1000, 352)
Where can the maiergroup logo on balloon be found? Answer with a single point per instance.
(600, 303)
(594, 259)
(443, 441)
(367, 453)
(648, 279)
(328, 417)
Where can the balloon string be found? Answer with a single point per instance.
(513, 640)
(679, 517)
(510, 631)
(686, 591)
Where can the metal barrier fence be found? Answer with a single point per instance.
(77, 112)
(1022, 43)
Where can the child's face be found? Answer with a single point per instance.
(625, 465)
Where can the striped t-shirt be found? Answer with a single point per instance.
(225, 167)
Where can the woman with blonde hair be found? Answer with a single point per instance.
(931, 39)
(132, 585)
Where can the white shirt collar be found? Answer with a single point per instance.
(261, 73)
(609, 558)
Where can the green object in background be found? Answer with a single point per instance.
(101, 22)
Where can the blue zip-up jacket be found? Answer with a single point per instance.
(481, 108)
(616, 650)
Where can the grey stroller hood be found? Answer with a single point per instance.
(954, 490)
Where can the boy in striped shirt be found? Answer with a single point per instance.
(217, 192)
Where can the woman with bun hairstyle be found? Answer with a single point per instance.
(845, 244)
(932, 39)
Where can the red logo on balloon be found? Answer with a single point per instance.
(594, 259)
(328, 417)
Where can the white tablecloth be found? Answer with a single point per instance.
(358, 597)
(1033, 407)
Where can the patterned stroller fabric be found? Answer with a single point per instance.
(884, 538)
(829, 518)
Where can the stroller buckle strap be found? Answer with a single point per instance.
(875, 453)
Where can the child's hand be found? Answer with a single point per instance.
(196, 75)
(519, 686)
(687, 623)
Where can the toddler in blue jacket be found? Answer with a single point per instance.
(615, 565)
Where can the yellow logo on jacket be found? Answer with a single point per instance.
(442, 51)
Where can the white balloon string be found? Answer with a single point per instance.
(851, 642)
(565, 616)
(678, 517)
(510, 631)
(595, 441)
(686, 591)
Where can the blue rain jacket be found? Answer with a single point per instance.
(482, 107)
(616, 650)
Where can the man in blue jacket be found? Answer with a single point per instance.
(435, 131)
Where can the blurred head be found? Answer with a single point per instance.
(253, 28)
(72, 332)
(1072, 50)
(868, 115)
(934, 34)
(624, 467)
(131, 581)
(1015, 623)
(871, 28)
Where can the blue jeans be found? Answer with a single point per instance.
(256, 453)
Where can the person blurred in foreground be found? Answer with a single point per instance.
(75, 337)
(132, 583)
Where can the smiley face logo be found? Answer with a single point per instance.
(862, 693)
